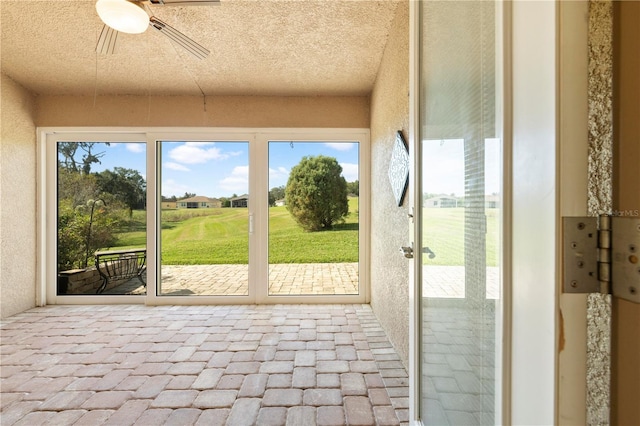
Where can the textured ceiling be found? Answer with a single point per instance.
(269, 47)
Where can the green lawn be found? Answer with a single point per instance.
(132, 233)
(443, 233)
(220, 236)
(211, 236)
(288, 243)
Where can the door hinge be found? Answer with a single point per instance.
(601, 255)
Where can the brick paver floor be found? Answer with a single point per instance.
(200, 365)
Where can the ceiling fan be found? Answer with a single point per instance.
(130, 16)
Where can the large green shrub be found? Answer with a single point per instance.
(316, 193)
(83, 229)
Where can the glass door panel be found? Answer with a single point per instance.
(204, 218)
(101, 218)
(313, 241)
(461, 201)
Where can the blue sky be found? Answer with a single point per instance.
(220, 169)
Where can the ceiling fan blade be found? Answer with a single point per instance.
(107, 40)
(177, 37)
(185, 2)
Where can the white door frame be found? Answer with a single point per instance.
(415, 228)
(573, 180)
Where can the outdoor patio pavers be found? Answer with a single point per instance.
(313, 278)
(193, 365)
(304, 279)
(232, 280)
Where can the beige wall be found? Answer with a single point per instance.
(218, 111)
(389, 223)
(17, 199)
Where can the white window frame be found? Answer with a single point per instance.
(258, 139)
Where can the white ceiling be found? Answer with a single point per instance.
(268, 47)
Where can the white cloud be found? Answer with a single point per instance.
(171, 187)
(136, 147)
(197, 153)
(350, 171)
(238, 182)
(278, 177)
(280, 172)
(340, 146)
(176, 166)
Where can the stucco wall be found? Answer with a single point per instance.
(17, 198)
(389, 223)
(215, 111)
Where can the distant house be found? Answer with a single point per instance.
(199, 202)
(492, 201)
(168, 205)
(280, 203)
(241, 201)
(441, 202)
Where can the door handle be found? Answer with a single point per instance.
(407, 252)
(428, 251)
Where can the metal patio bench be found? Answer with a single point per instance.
(120, 265)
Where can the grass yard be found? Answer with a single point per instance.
(443, 233)
(133, 233)
(288, 243)
(220, 236)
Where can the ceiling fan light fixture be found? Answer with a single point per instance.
(123, 16)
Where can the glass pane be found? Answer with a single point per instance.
(204, 218)
(313, 218)
(461, 210)
(102, 220)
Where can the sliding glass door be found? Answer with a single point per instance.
(100, 221)
(459, 203)
(204, 218)
(314, 218)
(186, 216)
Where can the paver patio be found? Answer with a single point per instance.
(232, 280)
(200, 365)
(303, 279)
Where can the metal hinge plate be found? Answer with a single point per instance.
(601, 255)
(625, 254)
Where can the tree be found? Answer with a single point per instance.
(187, 195)
(353, 188)
(87, 217)
(275, 194)
(126, 185)
(316, 193)
(69, 151)
(83, 229)
(76, 187)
